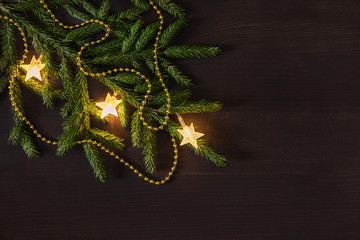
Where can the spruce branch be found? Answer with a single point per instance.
(203, 149)
(142, 4)
(175, 73)
(28, 143)
(133, 36)
(104, 9)
(149, 150)
(193, 51)
(107, 138)
(93, 155)
(123, 112)
(201, 106)
(90, 8)
(136, 130)
(172, 31)
(171, 7)
(8, 45)
(147, 34)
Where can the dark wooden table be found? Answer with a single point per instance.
(289, 79)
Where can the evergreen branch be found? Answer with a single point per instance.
(187, 51)
(107, 138)
(133, 36)
(136, 130)
(201, 106)
(90, 8)
(129, 14)
(25, 6)
(28, 143)
(16, 133)
(176, 96)
(66, 141)
(203, 149)
(127, 78)
(171, 8)
(149, 150)
(20, 131)
(128, 96)
(111, 47)
(75, 12)
(8, 42)
(48, 40)
(175, 73)
(142, 4)
(172, 31)
(123, 113)
(93, 155)
(85, 32)
(104, 9)
(209, 153)
(66, 75)
(146, 35)
(120, 58)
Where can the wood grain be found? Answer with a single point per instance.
(289, 79)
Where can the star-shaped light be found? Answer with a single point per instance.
(33, 69)
(109, 106)
(189, 134)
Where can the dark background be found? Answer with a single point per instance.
(289, 80)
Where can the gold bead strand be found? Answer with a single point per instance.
(12, 81)
(157, 68)
(147, 80)
(103, 74)
(79, 62)
(136, 171)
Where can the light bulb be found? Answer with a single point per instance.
(188, 133)
(33, 69)
(109, 106)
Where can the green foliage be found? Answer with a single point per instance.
(93, 155)
(131, 43)
(185, 51)
(171, 7)
(149, 150)
(172, 31)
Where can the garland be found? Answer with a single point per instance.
(143, 130)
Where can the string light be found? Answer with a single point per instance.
(188, 133)
(109, 106)
(33, 69)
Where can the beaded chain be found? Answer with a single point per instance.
(103, 74)
(111, 153)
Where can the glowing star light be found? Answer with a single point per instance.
(33, 69)
(188, 133)
(109, 106)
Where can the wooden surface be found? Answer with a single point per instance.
(289, 79)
